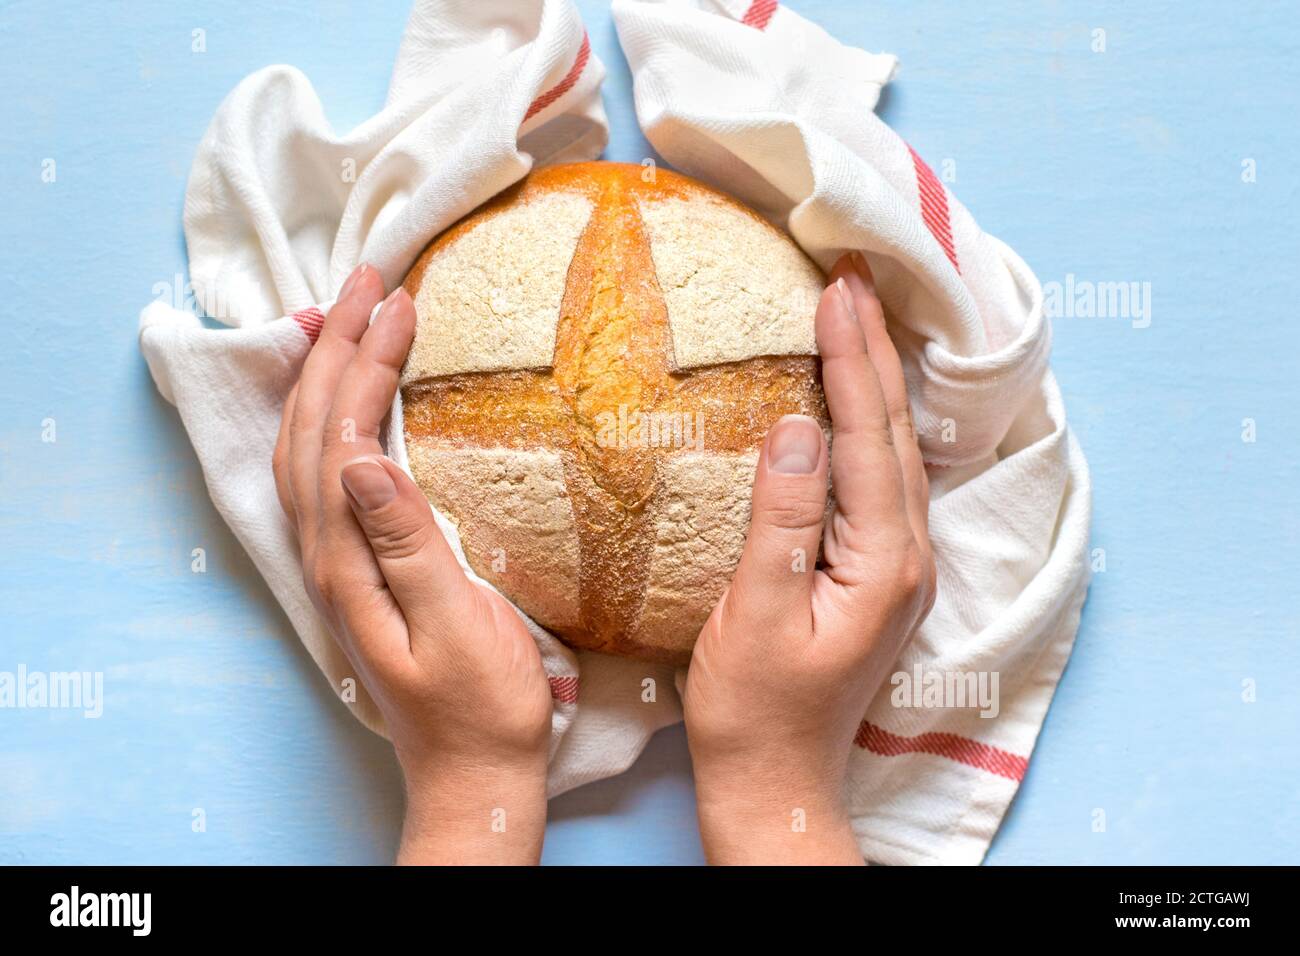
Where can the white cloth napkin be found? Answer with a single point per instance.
(750, 97)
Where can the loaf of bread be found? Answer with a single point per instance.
(600, 351)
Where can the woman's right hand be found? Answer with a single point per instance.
(792, 655)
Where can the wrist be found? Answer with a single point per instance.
(474, 813)
(753, 815)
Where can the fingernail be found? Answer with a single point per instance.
(384, 306)
(863, 269)
(368, 483)
(795, 446)
(846, 296)
(351, 281)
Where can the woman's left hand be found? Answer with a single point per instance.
(449, 663)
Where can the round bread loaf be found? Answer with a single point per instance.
(599, 354)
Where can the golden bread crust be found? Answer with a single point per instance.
(654, 537)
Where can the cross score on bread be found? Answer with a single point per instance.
(613, 366)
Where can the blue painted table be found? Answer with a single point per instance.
(1167, 158)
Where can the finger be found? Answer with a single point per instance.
(855, 271)
(865, 472)
(338, 340)
(280, 458)
(774, 577)
(365, 392)
(415, 559)
(360, 397)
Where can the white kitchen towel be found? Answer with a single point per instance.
(762, 103)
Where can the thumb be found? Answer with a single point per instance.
(774, 578)
(422, 573)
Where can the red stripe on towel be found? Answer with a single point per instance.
(934, 207)
(961, 749)
(310, 321)
(759, 14)
(564, 689)
(566, 84)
